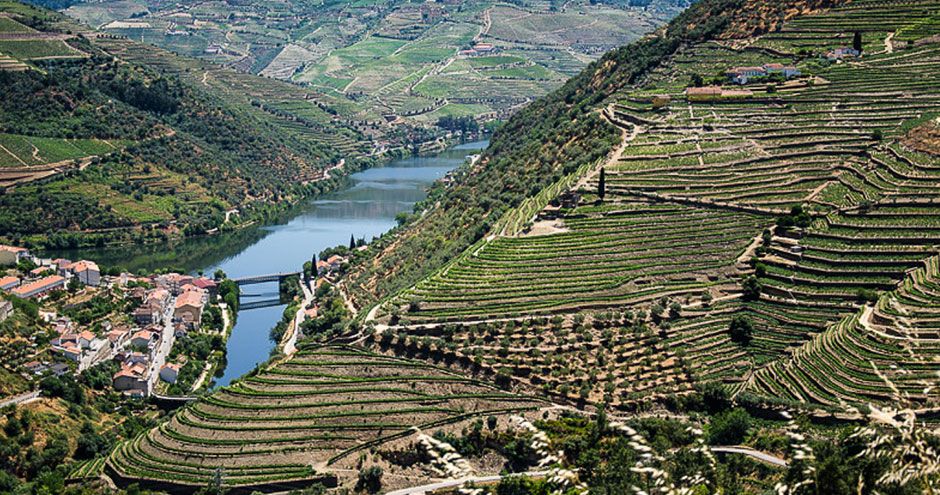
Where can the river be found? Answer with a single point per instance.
(367, 208)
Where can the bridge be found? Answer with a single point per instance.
(262, 279)
(264, 303)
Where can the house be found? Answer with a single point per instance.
(70, 351)
(703, 93)
(59, 369)
(131, 379)
(40, 287)
(173, 282)
(136, 358)
(787, 71)
(87, 272)
(11, 255)
(189, 307)
(484, 47)
(63, 266)
(169, 372)
(214, 49)
(35, 367)
(6, 309)
(142, 339)
(741, 75)
(41, 270)
(841, 53)
(9, 282)
(208, 285)
(86, 339)
(180, 330)
(148, 313)
(118, 336)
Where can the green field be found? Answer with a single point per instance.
(8, 25)
(32, 49)
(31, 150)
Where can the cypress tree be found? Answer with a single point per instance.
(602, 184)
(352, 242)
(857, 41)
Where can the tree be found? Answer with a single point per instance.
(352, 242)
(602, 184)
(715, 397)
(741, 330)
(729, 428)
(370, 479)
(857, 41)
(751, 288)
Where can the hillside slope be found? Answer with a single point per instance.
(739, 225)
(544, 142)
(386, 59)
(97, 144)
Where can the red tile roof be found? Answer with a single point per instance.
(38, 285)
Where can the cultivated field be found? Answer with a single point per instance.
(634, 295)
(308, 416)
(375, 59)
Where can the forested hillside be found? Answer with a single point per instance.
(96, 145)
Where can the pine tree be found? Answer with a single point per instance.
(602, 184)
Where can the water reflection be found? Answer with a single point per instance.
(366, 209)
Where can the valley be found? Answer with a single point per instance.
(704, 260)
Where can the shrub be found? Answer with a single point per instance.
(729, 428)
(370, 479)
(741, 330)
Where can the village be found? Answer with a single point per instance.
(130, 324)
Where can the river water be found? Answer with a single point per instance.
(365, 209)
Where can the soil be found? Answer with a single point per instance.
(924, 138)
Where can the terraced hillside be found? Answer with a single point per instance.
(311, 417)
(884, 353)
(373, 61)
(780, 205)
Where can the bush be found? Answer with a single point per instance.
(741, 330)
(370, 479)
(729, 428)
(751, 288)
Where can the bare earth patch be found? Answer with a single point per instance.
(924, 138)
(546, 227)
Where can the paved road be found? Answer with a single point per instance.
(290, 343)
(440, 485)
(163, 348)
(19, 399)
(754, 454)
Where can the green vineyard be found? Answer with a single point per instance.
(300, 418)
(785, 203)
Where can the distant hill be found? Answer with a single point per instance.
(381, 60)
(100, 136)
